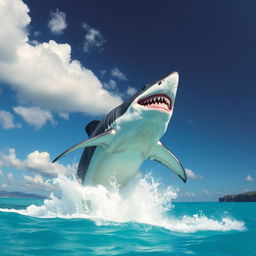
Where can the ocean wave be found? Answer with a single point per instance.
(142, 201)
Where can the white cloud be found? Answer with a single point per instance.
(130, 91)
(44, 74)
(64, 115)
(6, 120)
(57, 23)
(34, 115)
(205, 191)
(116, 73)
(36, 162)
(4, 185)
(36, 179)
(14, 19)
(93, 38)
(10, 176)
(192, 175)
(110, 85)
(249, 178)
(37, 182)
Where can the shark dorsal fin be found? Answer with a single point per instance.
(90, 128)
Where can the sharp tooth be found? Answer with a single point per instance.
(158, 98)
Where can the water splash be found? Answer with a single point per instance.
(140, 201)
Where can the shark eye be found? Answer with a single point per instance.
(159, 82)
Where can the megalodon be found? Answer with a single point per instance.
(128, 135)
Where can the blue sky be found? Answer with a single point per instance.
(64, 64)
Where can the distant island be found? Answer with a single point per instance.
(244, 197)
(19, 195)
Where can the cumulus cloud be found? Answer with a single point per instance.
(130, 91)
(93, 38)
(14, 20)
(192, 175)
(249, 178)
(37, 182)
(116, 73)
(6, 120)
(34, 116)
(57, 24)
(36, 162)
(36, 179)
(45, 74)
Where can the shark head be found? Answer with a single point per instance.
(158, 96)
(156, 100)
(153, 105)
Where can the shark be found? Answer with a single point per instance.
(128, 135)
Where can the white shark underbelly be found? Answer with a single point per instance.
(121, 159)
(108, 167)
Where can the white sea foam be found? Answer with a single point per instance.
(141, 201)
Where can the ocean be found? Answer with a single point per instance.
(141, 219)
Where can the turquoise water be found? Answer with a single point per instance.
(59, 227)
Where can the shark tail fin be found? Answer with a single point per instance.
(163, 155)
(99, 140)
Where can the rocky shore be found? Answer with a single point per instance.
(244, 197)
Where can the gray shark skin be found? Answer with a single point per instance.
(128, 135)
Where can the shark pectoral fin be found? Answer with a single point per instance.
(163, 155)
(99, 140)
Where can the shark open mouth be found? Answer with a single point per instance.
(159, 102)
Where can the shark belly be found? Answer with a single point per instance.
(108, 167)
(122, 158)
